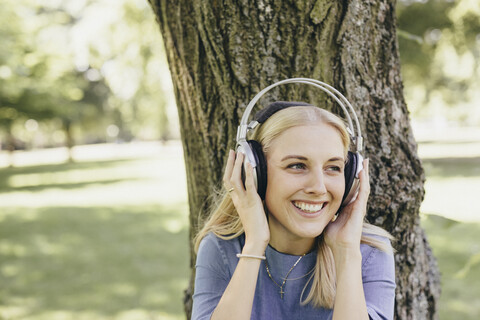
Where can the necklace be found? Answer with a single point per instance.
(306, 274)
(286, 276)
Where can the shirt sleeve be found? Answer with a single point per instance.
(378, 275)
(211, 278)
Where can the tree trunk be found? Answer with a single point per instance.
(69, 140)
(10, 144)
(221, 53)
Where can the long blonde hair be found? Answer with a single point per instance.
(225, 223)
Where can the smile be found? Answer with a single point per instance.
(308, 207)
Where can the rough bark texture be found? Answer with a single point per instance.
(221, 53)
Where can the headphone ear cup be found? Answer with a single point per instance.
(261, 168)
(350, 171)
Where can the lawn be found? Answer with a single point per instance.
(451, 218)
(456, 246)
(106, 237)
(97, 239)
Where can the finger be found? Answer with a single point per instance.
(236, 176)
(249, 181)
(229, 169)
(364, 190)
(365, 181)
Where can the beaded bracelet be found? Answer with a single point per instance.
(239, 255)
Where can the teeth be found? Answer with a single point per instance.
(307, 207)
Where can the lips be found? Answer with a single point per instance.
(308, 207)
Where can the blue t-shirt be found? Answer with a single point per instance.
(216, 262)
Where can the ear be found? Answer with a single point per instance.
(335, 216)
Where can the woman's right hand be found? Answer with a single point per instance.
(247, 203)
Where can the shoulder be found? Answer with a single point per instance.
(216, 262)
(214, 242)
(214, 250)
(378, 277)
(376, 261)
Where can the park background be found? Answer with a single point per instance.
(93, 201)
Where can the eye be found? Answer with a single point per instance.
(297, 166)
(334, 168)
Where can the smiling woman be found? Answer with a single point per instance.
(307, 185)
(283, 254)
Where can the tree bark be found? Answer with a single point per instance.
(221, 53)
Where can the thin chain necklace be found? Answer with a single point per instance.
(286, 276)
(306, 274)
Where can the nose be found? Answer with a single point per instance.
(315, 183)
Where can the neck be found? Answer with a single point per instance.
(292, 246)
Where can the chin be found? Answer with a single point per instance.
(310, 231)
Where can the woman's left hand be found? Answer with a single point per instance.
(345, 232)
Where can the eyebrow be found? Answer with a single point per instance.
(293, 156)
(297, 157)
(336, 159)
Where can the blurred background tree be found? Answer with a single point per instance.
(76, 72)
(440, 49)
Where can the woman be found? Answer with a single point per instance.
(289, 256)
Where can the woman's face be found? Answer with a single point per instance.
(305, 185)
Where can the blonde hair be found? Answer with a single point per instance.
(225, 223)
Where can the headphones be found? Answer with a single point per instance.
(254, 153)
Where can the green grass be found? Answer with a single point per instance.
(107, 239)
(102, 260)
(452, 183)
(453, 223)
(456, 246)
(94, 240)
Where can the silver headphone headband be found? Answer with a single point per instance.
(334, 93)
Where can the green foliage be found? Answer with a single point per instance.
(425, 20)
(440, 48)
(82, 67)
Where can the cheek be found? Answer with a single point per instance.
(278, 192)
(337, 186)
(277, 182)
(281, 186)
(274, 194)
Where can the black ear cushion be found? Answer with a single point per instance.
(261, 168)
(350, 170)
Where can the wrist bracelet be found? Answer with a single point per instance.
(239, 255)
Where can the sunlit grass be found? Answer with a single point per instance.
(453, 198)
(451, 218)
(141, 180)
(452, 185)
(107, 237)
(95, 239)
(102, 259)
(456, 246)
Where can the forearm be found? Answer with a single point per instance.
(237, 300)
(350, 298)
